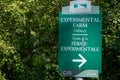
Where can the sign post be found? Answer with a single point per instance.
(79, 79)
(80, 42)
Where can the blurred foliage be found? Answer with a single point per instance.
(111, 39)
(29, 39)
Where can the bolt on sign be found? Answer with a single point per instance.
(80, 42)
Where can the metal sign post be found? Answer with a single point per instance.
(79, 79)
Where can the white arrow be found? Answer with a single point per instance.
(82, 60)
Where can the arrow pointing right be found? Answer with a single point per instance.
(82, 60)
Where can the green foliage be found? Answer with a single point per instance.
(111, 37)
(29, 39)
(2, 77)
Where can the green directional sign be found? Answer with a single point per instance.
(80, 44)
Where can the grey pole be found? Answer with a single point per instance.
(79, 78)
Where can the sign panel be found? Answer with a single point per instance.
(80, 44)
(94, 10)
